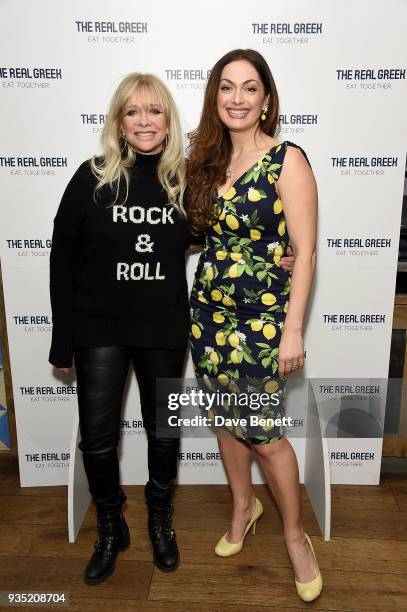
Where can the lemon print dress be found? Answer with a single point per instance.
(239, 301)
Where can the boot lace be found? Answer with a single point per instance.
(161, 523)
(106, 536)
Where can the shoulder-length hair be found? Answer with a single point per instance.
(112, 167)
(210, 146)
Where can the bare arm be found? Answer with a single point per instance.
(298, 192)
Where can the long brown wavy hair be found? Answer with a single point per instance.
(210, 147)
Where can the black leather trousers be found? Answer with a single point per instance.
(101, 375)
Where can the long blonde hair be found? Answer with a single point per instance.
(113, 165)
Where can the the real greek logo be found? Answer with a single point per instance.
(132, 427)
(95, 121)
(340, 389)
(58, 393)
(111, 32)
(194, 77)
(49, 459)
(370, 78)
(296, 123)
(353, 321)
(200, 459)
(42, 165)
(364, 165)
(33, 323)
(30, 247)
(24, 77)
(358, 246)
(350, 458)
(283, 33)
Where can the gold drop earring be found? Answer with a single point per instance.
(265, 110)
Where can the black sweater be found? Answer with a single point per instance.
(117, 272)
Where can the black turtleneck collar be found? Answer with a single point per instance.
(145, 162)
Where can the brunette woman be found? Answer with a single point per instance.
(250, 194)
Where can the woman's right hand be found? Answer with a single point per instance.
(64, 370)
(287, 261)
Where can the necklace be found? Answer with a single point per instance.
(229, 171)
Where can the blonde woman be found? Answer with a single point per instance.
(119, 297)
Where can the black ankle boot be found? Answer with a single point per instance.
(165, 549)
(113, 536)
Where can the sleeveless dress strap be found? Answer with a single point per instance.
(292, 144)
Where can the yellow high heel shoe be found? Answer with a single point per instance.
(226, 549)
(308, 591)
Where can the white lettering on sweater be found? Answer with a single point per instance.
(144, 244)
(138, 271)
(137, 214)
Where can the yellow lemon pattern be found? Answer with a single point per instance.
(281, 227)
(216, 295)
(234, 339)
(236, 256)
(220, 338)
(268, 299)
(240, 295)
(255, 234)
(278, 207)
(253, 195)
(232, 222)
(269, 331)
(218, 317)
(221, 255)
(223, 379)
(196, 332)
(230, 194)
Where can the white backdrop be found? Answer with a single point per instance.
(340, 72)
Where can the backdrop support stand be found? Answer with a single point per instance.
(79, 497)
(317, 476)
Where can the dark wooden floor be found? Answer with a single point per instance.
(364, 565)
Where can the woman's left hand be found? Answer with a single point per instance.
(291, 353)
